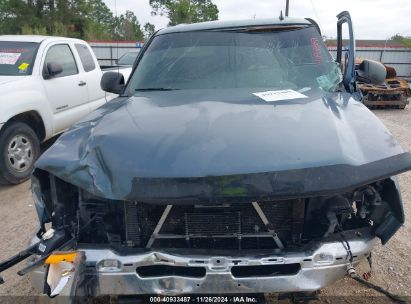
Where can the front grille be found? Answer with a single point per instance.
(234, 226)
(209, 224)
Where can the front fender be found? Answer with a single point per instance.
(20, 97)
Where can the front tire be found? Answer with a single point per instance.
(19, 149)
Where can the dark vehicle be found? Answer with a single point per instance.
(128, 58)
(238, 159)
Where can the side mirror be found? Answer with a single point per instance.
(53, 69)
(112, 82)
(370, 71)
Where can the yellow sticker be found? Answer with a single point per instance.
(23, 66)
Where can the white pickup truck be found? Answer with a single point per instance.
(46, 85)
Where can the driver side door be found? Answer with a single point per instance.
(67, 91)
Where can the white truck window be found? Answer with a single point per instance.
(17, 58)
(62, 55)
(85, 57)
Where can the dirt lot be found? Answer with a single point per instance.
(392, 263)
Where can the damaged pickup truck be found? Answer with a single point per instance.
(238, 159)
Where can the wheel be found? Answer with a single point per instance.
(19, 149)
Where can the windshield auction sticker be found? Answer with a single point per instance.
(23, 67)
(9, 58)
(270, 96)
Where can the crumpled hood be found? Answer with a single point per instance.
(190, 143)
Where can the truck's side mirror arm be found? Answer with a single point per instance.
(349, 71)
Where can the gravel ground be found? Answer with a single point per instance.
(391, 263)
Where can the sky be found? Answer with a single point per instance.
(373, 19)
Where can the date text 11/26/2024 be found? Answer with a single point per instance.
(204, 299)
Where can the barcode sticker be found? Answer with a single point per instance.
(270, 96)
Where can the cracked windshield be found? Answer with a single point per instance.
(290, 58)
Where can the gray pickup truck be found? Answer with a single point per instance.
(238, 159)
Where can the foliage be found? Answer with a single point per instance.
(185, 11)
(149, 30)
(405, 40)
(86, 19)
(127, 27)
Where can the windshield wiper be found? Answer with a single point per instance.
(154, 89)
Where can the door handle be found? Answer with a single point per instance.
(82, 83)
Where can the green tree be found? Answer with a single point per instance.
(16, 14)
(100, 21)
(149, 30)
(86, 19)
(127, 27)
(406, 41)
(185, 11)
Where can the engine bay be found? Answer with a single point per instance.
(266, 224)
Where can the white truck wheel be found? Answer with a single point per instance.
(19, 149)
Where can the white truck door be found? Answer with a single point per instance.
(93, 74)
(67, 90)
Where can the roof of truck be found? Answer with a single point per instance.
(213, 25)
(35, 38)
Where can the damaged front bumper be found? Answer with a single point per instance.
(168, 273)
